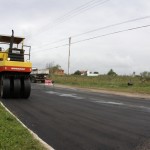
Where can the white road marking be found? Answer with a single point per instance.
(112, 103)
(94, 100)
(65, 95)
(122, 104)
(52, 92)
(71, 95)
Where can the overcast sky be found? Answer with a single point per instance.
(43, 22)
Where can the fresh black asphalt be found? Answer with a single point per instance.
(72, 119)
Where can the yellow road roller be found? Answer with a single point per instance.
(15, 67)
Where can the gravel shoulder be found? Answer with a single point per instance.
(136, 95)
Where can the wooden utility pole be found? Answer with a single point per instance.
(69, 56)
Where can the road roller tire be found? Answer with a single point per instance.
(17, 88)
(26, 88)
(5, 87)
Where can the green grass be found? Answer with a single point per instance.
(13, 136)
(113, 83)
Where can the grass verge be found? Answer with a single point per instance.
(105, 82)
(13, 136)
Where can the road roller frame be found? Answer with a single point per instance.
(15, 67)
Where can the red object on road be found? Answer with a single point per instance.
(48, 82)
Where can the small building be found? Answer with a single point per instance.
(89, 73)
(83, 73)
(59, 72)
(92, 74)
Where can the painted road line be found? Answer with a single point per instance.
(94, 100)
(140, 107)
(111, 103)
(75, 96)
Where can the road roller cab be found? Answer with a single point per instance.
(15, 67)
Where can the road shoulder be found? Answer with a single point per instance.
(104, 91)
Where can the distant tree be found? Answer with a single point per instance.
(52, 67)
(111, 73)
(77, 72)
(145, 74)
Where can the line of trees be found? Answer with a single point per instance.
(53, 67)
(110, 73)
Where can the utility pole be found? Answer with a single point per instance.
(69, 56)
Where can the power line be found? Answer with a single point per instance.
(74, 13)
(52, 48)
(76, 9)
(112, 33)
(116, 32)
(101, 28)
(80, 11)
(112, 25)
(64, 39)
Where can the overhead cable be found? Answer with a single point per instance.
(108, 34)
(116, 32)
(101, 28)
(73, 13)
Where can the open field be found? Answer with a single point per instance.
(113, 83)
(13, 136)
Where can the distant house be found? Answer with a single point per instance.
(89, 73)
(92, 74)
(83, 73)
(59, 72)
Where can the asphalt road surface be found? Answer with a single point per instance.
(72, 119)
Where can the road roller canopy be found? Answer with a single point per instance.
(7, 39)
